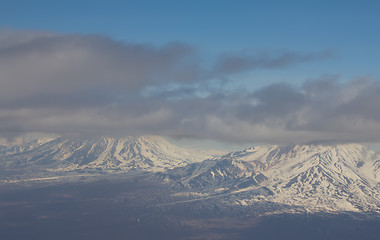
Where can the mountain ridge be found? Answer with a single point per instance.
(339, 177)
(146, 153)
(330, 177)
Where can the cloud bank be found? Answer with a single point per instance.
(93, 85)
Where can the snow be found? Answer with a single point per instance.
(331, 177)
(147, 153)
(336, 177)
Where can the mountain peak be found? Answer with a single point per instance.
(146, 153)
(334, 177)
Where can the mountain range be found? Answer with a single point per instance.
(146, 153)
(342, 177)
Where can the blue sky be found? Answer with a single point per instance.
(245, 56)
(347, 27)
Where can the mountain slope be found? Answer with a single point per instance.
(148, 153)
(340, 177)
(336, 177)
(209, 174)
(325, 176)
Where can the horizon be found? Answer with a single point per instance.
(188, 143)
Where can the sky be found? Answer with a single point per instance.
(239, 72)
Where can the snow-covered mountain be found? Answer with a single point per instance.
(339, 177)
(223, 173)
(328, 177)
(3, 148)
(10, 150)
(148, 153)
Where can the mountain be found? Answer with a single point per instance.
(10, 150)
(339, 177)
(147, 153)
(211, 174)
(328, 177)
(3, 148)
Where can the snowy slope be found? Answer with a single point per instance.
(335, 177)
(339, 177)
(375, 170)
(226, 173)
(3, 148)
(316, 177)
(10, 150)
(148, 153)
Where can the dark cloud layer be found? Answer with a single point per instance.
(92, 85)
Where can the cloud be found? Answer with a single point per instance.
(92, 85)
(62, 64)
(243, 61)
